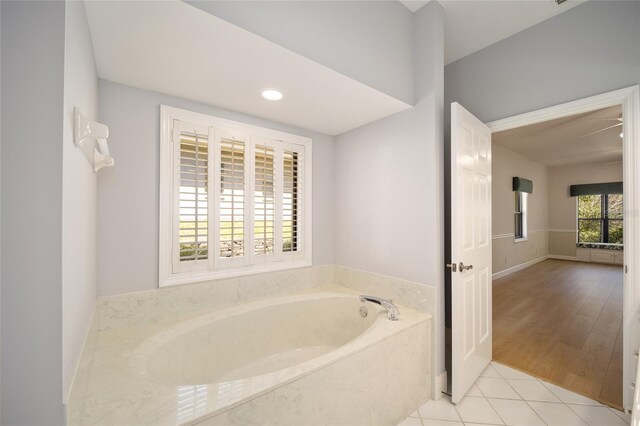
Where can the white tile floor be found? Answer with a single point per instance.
(504, 396)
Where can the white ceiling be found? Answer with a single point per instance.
(471, 25)
(150, 44)
(576, 139)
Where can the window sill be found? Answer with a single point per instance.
(520, 240)
(601, 246)
(195, 277)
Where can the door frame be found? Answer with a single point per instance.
(629, 99)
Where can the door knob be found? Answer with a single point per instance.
(464, 267)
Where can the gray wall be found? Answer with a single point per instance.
(506, 253)
(128, 192)
(79, 191)
(369, 41)
(389, 181)
(505, 164)
(590, 49)
(32, 96)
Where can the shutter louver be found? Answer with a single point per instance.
(290, 202)
(232, 198)
(193, 200)
(264, 200)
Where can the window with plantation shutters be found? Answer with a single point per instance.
(234, 198)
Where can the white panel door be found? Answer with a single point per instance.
(470, 249)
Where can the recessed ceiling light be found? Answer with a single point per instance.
(272, 95)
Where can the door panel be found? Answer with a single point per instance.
(470, 246)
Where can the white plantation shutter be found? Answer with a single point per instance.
(232, 197)
(293, 202)
(231, 204)
(264, 200)
(191, 188)
(291, 193)
(238, 201)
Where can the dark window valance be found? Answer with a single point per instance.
(522, 185)
(596, 189)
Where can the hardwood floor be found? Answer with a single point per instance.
(562, 321)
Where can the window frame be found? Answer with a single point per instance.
(168, 209)
(604, 220)
(520, 200)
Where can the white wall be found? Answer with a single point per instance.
(33, 36)
(562, 207)
(505, 252)
(369, 41)
(79, 192)
(389, 181)
(128, 192)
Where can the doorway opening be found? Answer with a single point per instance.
(596, 205)
(558, 251)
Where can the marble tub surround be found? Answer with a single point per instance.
(379, 385)
(172, 302)
(414, 295)
(127, 384)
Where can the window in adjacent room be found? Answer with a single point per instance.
(520, 216)
(234, 198)
(600, 219)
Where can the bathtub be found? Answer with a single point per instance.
(311, 358)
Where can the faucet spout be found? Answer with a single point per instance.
(392, 310)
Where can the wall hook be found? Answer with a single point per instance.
(91, 137)
(85, 128)
(101, 156)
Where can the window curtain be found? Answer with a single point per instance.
(596, 189)
(522, 185)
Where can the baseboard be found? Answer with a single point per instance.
(67, 392)
(441, 385)
(517, 268)
(561, 257)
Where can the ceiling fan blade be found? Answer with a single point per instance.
(601, 130)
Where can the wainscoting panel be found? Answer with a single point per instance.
(562, 242)
(509, 254)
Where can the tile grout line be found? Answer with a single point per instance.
(527, 402)
(524, 399)
(578, 414)
(485, 397)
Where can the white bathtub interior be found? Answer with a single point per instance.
(279, 333)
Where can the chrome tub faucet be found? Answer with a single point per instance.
(391, 309)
